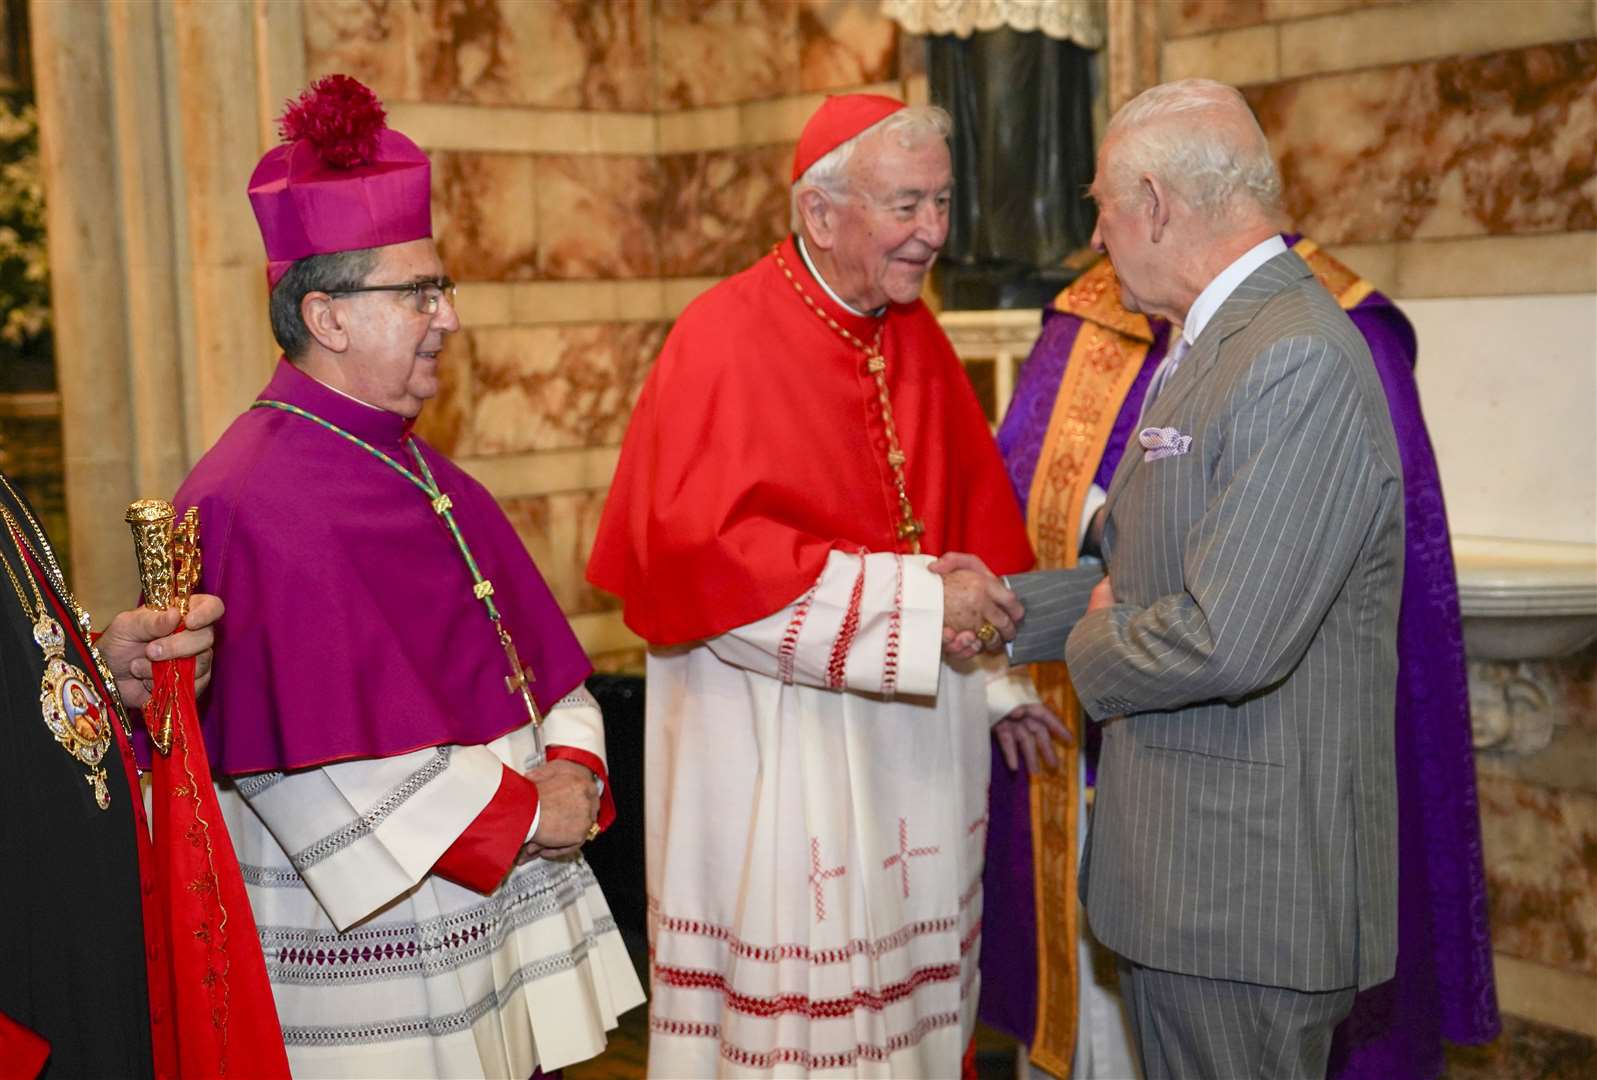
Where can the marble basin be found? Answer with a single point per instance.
(1525, 599)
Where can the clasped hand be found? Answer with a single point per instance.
(568, 804)
(973, 597)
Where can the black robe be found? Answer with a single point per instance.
(72, 945)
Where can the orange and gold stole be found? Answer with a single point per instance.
(1104, 361)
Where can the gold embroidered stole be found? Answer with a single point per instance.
(1104, 361)
(1339, 280)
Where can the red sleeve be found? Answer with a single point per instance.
(607, 804)
(481, 856)
(22, 1052)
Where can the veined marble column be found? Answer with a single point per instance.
(151, 118)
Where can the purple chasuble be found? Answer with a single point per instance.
(351, 630)
(1443, 987)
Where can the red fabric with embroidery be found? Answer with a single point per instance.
(222, 1009)
(757, 446)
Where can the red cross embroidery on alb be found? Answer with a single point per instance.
(904, 854)
(819, 878)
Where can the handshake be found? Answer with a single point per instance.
(979, 612)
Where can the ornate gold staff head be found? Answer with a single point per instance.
(151, 522)
(168, 554)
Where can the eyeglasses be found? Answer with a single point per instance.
(426, 295)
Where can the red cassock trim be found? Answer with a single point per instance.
(758, 447)
(481, 856)
(862, 999)
(23, 1052)
(591, 762)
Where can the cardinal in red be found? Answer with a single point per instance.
(805, 447)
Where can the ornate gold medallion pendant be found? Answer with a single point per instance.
(73, 711)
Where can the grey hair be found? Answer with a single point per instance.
(911, 126)
(1215, 175)
(314, 273)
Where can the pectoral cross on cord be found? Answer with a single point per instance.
(517, 683)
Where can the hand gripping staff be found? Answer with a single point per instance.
(222, 1012)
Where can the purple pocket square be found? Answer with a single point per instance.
(1163, 442)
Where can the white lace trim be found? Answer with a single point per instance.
(1081, 21)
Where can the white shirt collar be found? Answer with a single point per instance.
(816, 274)
(1225, 283)
(341, 394)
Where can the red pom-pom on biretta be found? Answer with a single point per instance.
(340, 117)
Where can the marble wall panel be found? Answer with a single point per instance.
(1278, 10)
(716, 52)
(1410, 33)
(368, 39)
(585, 54)
(1502, 143)
(845, 43)
(443, 420)
(558, 531)
(723, 208)
(485, 216)
(911, 56)
(1541, 872)
(1187, 17)
(1525, 1051)
(598, 216)
(555, 387)
(1241, 57)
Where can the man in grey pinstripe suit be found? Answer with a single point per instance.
(1241, 651)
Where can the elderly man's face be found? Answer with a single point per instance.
(1123, 234)
(392, 359)
(890, 229)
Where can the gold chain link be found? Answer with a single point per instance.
(909, 527)
(53, 570)
(16, 541)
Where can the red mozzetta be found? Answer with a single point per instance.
(758, 446)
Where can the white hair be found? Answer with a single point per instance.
(1216, 168)
(910, 126)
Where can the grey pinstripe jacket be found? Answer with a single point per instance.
(1246, 816)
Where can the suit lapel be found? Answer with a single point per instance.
(1237, 312)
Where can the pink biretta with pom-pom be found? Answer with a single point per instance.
(341, 180)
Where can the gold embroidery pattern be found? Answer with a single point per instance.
(213, 937)
(1340, 280)
(1103, 364)
(1095, 297)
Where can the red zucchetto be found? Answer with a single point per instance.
(839, 119)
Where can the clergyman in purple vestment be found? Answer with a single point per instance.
(1443, 987)
(404, 751)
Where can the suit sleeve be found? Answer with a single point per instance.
(1294, 492)
(1054, 600)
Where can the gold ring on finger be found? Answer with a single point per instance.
(987, 632)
